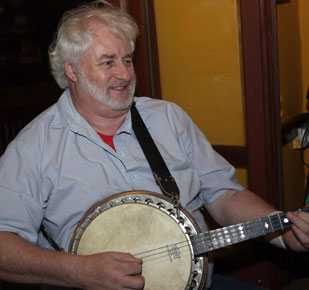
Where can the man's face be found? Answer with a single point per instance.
(106, 70)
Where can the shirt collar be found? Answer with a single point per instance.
(67, 115)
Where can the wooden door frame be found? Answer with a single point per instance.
(262, 155)
(262, 98)
(147, 61)
(263, 122)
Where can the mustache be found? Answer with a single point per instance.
(121, 83)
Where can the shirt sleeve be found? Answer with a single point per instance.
(21, 205)
(216, 175)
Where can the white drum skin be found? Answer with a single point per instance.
(143, 224)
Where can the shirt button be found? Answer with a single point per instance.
(132, 177)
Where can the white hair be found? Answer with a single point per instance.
(73, 35)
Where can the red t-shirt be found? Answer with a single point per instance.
(108, 140)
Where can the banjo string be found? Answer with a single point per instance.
(163, 255)
(164, 251)
(197, 241)
(163, 259)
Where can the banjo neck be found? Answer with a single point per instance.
(226, 236)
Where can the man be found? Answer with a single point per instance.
(83, 149)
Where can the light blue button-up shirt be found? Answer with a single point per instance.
(58, 167)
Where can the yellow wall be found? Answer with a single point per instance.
(290, 69)
(199, 55)
(293, 45)
(199, 64)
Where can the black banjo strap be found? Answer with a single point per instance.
(160, 171)
(50, 239)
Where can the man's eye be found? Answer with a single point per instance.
(128, 61)
(107, 63)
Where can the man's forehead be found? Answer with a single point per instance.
(94, 23)
(97, 28)
(104, 42)
(103, 48)
(106, 53)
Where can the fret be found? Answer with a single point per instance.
(253, 228)
(227, 236)
(276, 222)
(267, 228)
(245, 231)
(262, 229)
(234, 235)
(257, 227)
(285, 221)
(250, 230)
(241, 232)
(205, 240)
(270, 224)
(195, 245)
(220, 237)
(199, 244)
(214, 239)
(202, 242)
(230, 235)
(209, 241)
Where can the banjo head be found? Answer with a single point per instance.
(144, 224)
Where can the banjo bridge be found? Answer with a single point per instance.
(173, 252)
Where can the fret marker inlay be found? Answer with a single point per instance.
(215, 239)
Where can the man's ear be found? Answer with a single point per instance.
(70, 71)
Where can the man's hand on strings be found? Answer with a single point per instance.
(109, 271)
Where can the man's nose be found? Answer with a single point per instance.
(124, 71)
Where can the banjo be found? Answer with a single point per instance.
(170, 244)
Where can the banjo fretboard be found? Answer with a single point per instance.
(226, 236)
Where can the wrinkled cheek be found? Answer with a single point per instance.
(100, 85)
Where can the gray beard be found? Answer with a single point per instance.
(96, 92)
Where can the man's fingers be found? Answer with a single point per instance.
(131, 264)
(135, 282)
(126, 257)
(133, 268)
(300, 227)
(300, 220)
